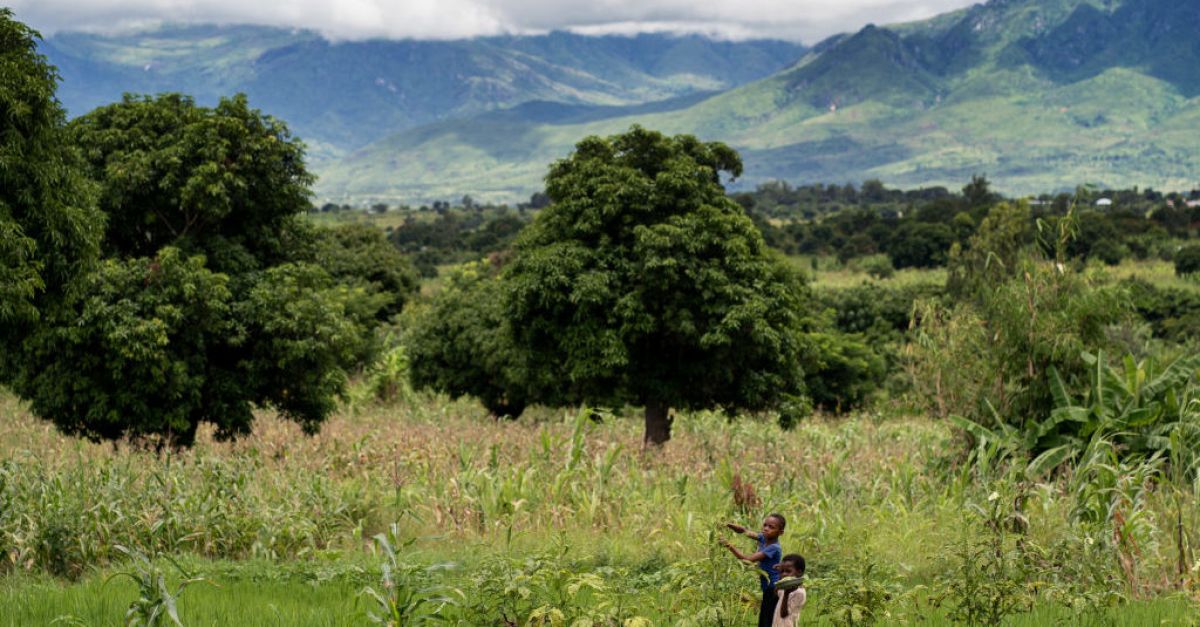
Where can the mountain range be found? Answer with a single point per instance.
(1039, 95)
(339, 96)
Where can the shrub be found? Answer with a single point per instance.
(879, 267)
(990, 360)
(1187, 260)
(460, 344)
(842, 371)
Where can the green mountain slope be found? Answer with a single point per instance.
(339, 96)
(1039, 95)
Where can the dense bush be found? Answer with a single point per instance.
(841, 371)
(920, 245)
(461, 344)
(1187, 260)
(989, 359)
(1173, 314)
(359, 255)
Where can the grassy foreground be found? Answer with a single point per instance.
(559, 520)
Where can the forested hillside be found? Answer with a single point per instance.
(1032, 93)
(340, 95)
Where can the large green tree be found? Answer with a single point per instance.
(644, 283)
(49, 227)
(207, 303)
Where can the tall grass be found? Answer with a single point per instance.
(557, 518)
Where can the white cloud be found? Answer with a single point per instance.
(806, 20)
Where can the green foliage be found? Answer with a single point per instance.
(462, 344)
(920, 245)
(198, 313)
(644, 283)
(302, 339)
(841, 371)
(157, 604)
(1187, 260)
(406, 595)
(457, 235)
(879, 268)
(360, 255)
(386, 379)
(226, 182)
(1144, 408)
(859, 593)
(993, 254)
(126, 362)
(161, 345)
(991, 361)
(989, 573)
(1173, 314)
(49, 228)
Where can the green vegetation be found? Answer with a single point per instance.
(643, 283)
(202, 307)
(49, 229)
(986, 89)
(562, 514)
(976, 411)
(342, 95)
(1187, 260)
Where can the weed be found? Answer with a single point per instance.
(157, 603)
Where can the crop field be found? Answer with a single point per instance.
(557, 519)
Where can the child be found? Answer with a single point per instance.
(790, 591)
(767, 557)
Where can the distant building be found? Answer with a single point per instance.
(1104, 202)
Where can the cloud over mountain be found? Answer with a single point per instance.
(806, 20)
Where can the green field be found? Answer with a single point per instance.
(560, 517)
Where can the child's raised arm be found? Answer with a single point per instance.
(752, 558)
(742, 530)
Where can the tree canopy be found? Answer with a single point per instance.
(209, 300)
(49, 227)
(644, 283)
(225, 182)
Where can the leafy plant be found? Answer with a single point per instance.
(157, 603)
(989, 574)
(858, 594)
(407, 594)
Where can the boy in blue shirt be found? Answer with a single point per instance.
(767, 558)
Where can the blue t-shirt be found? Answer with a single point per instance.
(769, 564)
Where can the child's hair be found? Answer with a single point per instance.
(781, 519)
(797, 562)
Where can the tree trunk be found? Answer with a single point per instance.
(658, 423)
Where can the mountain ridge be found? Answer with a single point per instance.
(992, 89)
(341, 95)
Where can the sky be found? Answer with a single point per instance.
(799, 20)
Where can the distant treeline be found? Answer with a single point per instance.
(912, 228)
(917, 228)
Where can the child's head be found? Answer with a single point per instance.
(792, 565)
(773, 525)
